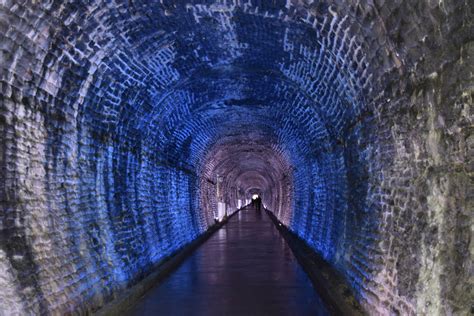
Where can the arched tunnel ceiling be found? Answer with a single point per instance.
(246, 163)
(174, 80)
(166, 70)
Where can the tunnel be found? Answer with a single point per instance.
(131, 128)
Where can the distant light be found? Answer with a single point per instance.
(255, 196)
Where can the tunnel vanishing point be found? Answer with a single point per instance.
(129, 128)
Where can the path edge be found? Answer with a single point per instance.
(330, 285)
(130, 296)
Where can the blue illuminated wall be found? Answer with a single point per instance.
(125, 125)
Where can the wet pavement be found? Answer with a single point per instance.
(245, 268)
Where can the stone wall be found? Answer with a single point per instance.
(416, 152)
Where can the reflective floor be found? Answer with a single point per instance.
(245, 268)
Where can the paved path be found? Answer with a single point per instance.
(245, 268)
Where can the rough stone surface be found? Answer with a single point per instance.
(128, 127)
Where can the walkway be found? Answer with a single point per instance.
(245, 268)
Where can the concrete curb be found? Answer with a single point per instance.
(330, 285)
(132, 295)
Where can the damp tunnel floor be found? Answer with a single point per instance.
(245, 268)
